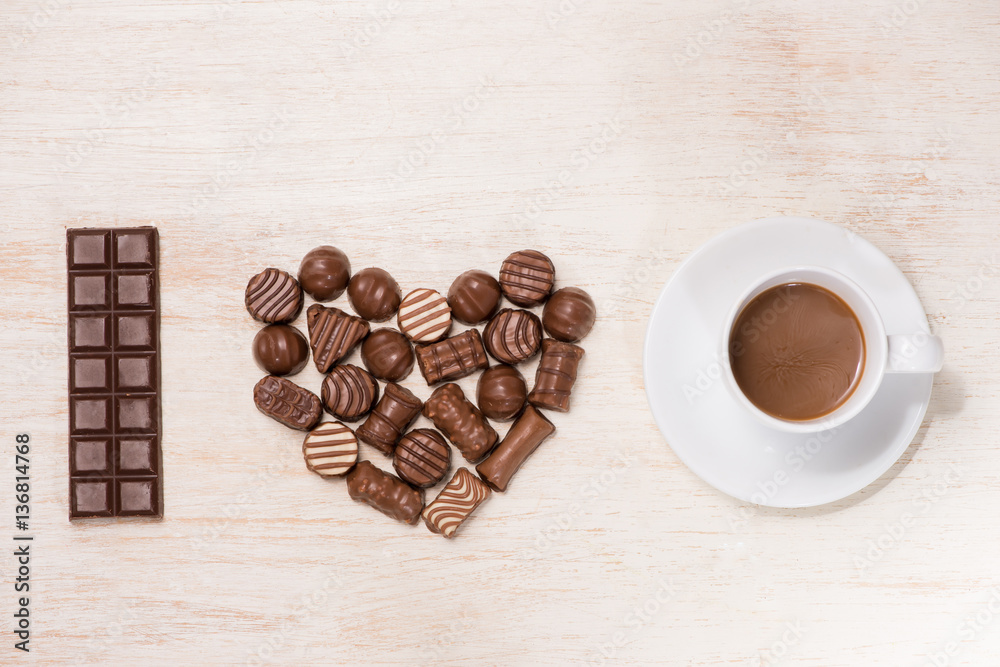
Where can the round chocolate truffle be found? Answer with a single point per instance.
(422, 457)
(569, 315)
(527, 278)
(502, 393)
(424, 316)
(388, 354)
(274, 297)
(374, 294)
(324, 273)
(474, 297)
(280, 350)
(513, 336)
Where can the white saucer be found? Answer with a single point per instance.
(714, 435)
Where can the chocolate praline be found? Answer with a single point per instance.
(502, 393)
(513, 336)
(388, 355)
(280, 350)
(569, 315)
(374, 294)
(474, 297)
(527, 278)
(324, 273)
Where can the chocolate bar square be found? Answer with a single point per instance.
(134, 291)
(90, 250)
(137, 456)
(90, 456)
(135, 332)
(138, 497)
(91, 497)
(135, 374)
(135, 248)
(90, 291)
(90, 332)
(90, 374)
(90, 415)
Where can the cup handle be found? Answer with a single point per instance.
(916, 353)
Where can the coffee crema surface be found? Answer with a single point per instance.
(797, 351)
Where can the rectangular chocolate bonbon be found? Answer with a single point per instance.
(522, 440)
(453, 358)
(461, 422)
(114, 373)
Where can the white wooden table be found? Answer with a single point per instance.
(432, 137)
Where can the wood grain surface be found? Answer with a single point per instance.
(433, 137)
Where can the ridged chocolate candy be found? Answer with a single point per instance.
(330, 450)
(349, 392)
(324, 273)
(569, 315)
(461, 422)
(452, 358)
(474, 297)
(502, 393)
(394, 413)
(388, 354)
(287, 403)
(424, 316)
(386, 493)
(556, 375)
(422, 458)
(280, 349)
(374, 294)
(333, 334)
(513, 336)
(527, 278)
(274, 297)
(456, 503)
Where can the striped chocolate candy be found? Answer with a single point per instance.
(349, 392)
(330, 450)
(527, 278)
(463, 495)
(513, 336)
(424, 316)
(274, 297)
(422, 457)
(333, 334)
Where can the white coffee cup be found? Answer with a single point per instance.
(898, 353)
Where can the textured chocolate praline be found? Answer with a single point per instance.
(324, 273)
(422, 458)
(569, 315)
(527, 278)
(287, 403)
(424, 316)
(349, 392)
(461, 422)
(502, 393)
(388, 354)
(513, 336)
(274, 297)
(374, 294)
(386, 493)
(280, 349)
(474, 297)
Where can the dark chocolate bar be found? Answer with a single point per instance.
(114, 373)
